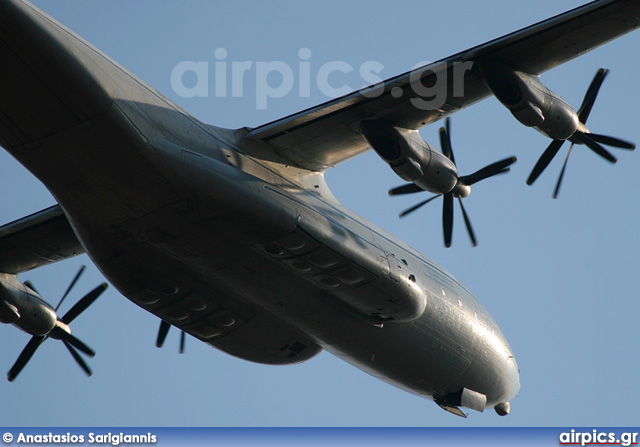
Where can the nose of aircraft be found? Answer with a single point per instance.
(508, 383)
(512, 386)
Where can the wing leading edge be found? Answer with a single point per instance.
(326, 135)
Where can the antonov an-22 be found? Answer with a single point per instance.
(233, 236)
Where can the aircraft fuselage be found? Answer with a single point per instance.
(216, 241)
(216, 235)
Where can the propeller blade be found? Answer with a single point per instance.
(409, 188)
(590, 96)
(25, 356)
(415, 207)
(447, 218)
(611, 141)
(182, 338)
(445, 141)
(496, 168)
(162, 333)
(30, 285)
(467, 222)
(77, 358)
(76, 343)
(82, 305)
(564, 167)
(595, 147)
(447, 124)
(73, 283)
(544, 160)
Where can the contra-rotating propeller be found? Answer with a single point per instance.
(162, 335)
(460, 190)
(581, 136)
(61, 330)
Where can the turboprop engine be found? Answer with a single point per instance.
(415, 161)
(412, 158)
(534, 105)
(23, 307)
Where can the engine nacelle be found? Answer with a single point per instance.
(531, 103)
(34, 315)
(410, 157)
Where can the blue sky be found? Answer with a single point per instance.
(559, 276)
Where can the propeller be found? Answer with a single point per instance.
(61, 330)
(162, 335)
(460, 191)
(591, 140)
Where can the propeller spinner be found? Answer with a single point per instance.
(461, 190)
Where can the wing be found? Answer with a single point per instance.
(326, 135)
(36, 240)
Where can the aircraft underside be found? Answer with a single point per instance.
(234, 237)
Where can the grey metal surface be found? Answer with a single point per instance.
(219, 235)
